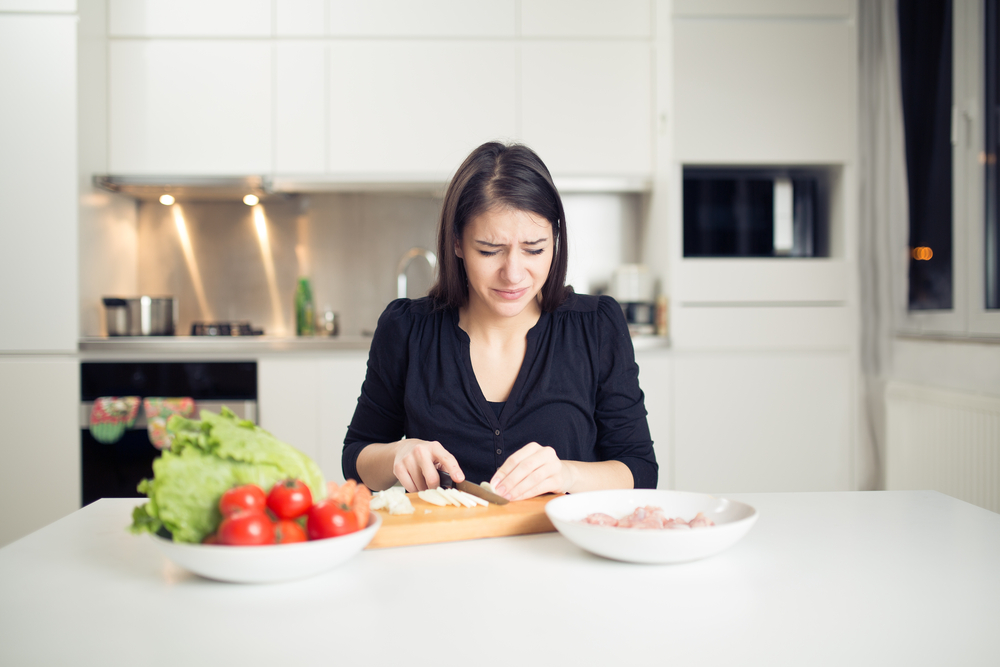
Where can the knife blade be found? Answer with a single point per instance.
(472, 489)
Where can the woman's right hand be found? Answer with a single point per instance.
(416, 464)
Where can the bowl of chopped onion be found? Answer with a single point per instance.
(651, 526)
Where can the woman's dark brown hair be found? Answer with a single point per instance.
(505, 176)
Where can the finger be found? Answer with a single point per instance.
(447, 462)
(512, 462)
(428, 471)
(535, 471)
(415, 473)
(403, 475)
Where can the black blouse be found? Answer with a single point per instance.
(577, 390)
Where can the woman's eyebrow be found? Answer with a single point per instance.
(501, 245)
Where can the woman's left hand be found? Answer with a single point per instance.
(532, 471)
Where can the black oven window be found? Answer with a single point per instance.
(925, 50)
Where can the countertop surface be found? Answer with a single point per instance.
(880, 578)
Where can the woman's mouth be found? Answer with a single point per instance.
(511, 295)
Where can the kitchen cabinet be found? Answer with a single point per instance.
(422, 18)
(300, 120)
(417, 107)
(308, 401)
(769, 421)
(190, 107)
(656, 382)
(41, 441)
(764, 91)
(586, 18)
(300, 18)
(586, 107)
(189, 18)
(38, 183)
(764, 8)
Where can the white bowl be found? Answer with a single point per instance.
(732, 521)
(268, 563)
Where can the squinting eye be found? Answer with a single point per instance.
(536, 252)
(486, 253)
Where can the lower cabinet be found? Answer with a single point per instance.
(656, 382)
(39, 399)
(762, 421)
(308, 402)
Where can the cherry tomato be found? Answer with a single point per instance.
(289, 499)
(328, 519)
(247, 528)
(287, 531)
(242, 498)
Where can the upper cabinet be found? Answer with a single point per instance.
(586, 107)
(189, 18)
(379, 90)
(190, 107)
(422, 18)
(405, 108)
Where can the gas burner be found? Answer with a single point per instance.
(224, 329)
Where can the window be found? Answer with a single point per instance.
(950, 84)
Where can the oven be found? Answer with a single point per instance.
(114, 470)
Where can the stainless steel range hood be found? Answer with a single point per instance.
(191, 188)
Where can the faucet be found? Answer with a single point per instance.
(404, 263)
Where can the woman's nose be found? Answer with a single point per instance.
(513, 268)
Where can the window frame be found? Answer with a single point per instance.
(969, 318)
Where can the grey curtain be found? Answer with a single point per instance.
(882, 222)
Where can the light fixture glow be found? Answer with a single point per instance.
(251, 200)
(166, 200)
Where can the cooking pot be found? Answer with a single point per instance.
(140, 316)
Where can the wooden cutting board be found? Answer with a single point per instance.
(430, 524)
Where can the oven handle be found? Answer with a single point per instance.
(241, 408)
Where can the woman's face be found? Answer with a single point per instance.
(507, 255)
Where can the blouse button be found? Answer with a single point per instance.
(496, 432)
(499, 451)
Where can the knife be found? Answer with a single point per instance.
(472, 489)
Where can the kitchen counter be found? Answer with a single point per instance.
(900, 578)
(244, 346)
(218, 345)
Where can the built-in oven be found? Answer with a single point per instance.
(114, 470)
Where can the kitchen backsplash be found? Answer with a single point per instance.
(211, 257)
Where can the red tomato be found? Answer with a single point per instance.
(289, 499)
(287, 531)
(328, 519)
(242, 498)
(248, 528)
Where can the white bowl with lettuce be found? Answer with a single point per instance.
(206, 458)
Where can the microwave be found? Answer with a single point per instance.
(755, 212)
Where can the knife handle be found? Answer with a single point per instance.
(446, 481)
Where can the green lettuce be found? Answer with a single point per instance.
(207, 458)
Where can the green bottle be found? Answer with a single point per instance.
(305, 319)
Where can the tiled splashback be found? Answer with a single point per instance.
(348, 244)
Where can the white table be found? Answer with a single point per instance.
(889, 578)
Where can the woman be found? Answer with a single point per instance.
(502, 373)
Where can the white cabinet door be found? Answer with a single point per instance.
(288, 400)
(417, 107)
(586, 18)
(300, 139)
(299, 18)
(340, 386)
(190, 107)
(422, 18)
(189, 18)
(41, 442)
(587, 106)
(38, 183)
(762, 422)
(656, 381)
(308, 402)
(761, 91)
